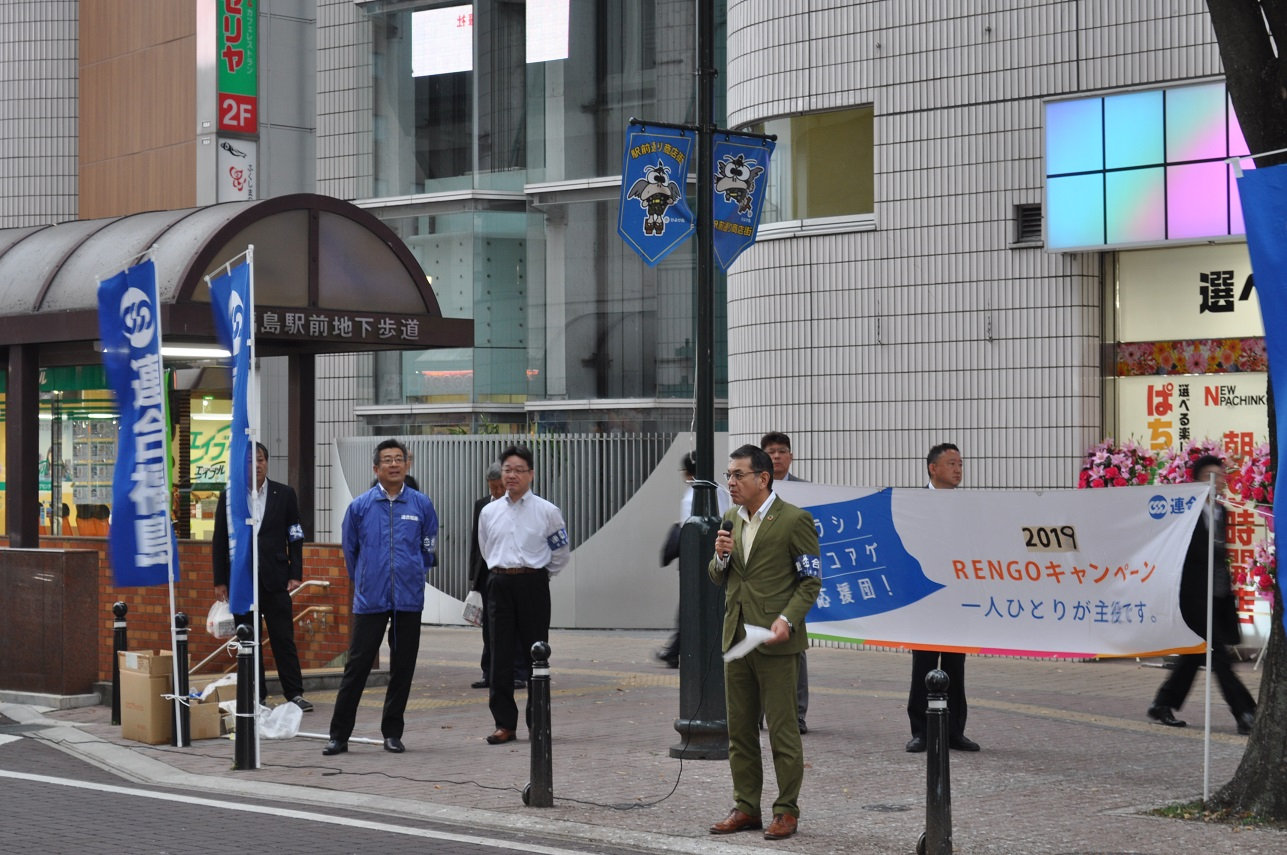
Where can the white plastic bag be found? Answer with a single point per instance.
(219, 622)
(281, 722)
(211, 688)
(473, 612)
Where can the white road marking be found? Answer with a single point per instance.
(294, 814)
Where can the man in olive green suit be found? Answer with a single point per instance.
(770, 566)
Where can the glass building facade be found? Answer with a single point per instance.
(497, 146)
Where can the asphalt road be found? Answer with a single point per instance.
(54, 802)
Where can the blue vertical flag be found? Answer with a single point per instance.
(741, 173)
(230, 302)
(655, 217)
(1264, 210)
(142, 544)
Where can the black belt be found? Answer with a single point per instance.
(517, 571)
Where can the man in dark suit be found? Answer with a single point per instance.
(771, 570)
(281, 569)
(1193, 607)
(943, 463)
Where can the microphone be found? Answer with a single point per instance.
(727, 525)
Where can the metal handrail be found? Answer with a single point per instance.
(321, 583)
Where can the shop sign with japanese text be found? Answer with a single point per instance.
(374, 328)
(238, 65)
(1191, 292)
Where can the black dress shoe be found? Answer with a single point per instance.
(1163, 715)
(963, 743)
(804, 728)
(1245, 721)
(394, 745)
(479, 684)
(916, 745)
(335, 746)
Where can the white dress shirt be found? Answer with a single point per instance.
(529, 532)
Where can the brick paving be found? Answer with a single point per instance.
(1069, 763)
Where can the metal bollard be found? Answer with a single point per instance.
(247, 703)
(182, 734)
(937, 839)
(539, 791)
(120, 641)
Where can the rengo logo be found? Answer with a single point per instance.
(1157, 507)
(137, 319)
(238, 113)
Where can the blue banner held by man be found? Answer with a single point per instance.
(1264, 210)
(230, 303)
(142, 543)
(655, 218)
(741, 165)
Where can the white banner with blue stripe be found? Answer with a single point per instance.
(1062, 573)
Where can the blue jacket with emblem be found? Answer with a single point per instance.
(389, 546)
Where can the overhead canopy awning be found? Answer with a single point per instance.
(328, 278)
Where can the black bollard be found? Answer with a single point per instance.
(703, 720)
(937, 839)
(120, 641)
(247, 703)
(539, 791)
(182, 734)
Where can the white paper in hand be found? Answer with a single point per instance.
(755, 636)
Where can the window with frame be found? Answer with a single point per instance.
(824, 166)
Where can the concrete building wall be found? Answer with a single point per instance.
(870, 345)
(288, 96)
(345, 136)
(38, 112)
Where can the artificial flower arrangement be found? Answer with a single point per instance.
(1254, 481)
(1110, 465)
(1262, 570)
(1177, 467)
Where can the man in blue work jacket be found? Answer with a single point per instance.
(390, 540)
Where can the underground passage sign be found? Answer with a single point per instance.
(1062, 573)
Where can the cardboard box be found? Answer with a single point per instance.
(229, 720)
(205, 720)
(146, 715)
(154, 663)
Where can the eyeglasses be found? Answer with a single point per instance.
(390, 461)
(511, 471)
(739, 475)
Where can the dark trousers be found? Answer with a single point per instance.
(522, 665)
(924, 661)
(518, 615)
(364, 644)
(1176, 688)
(278, 616)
